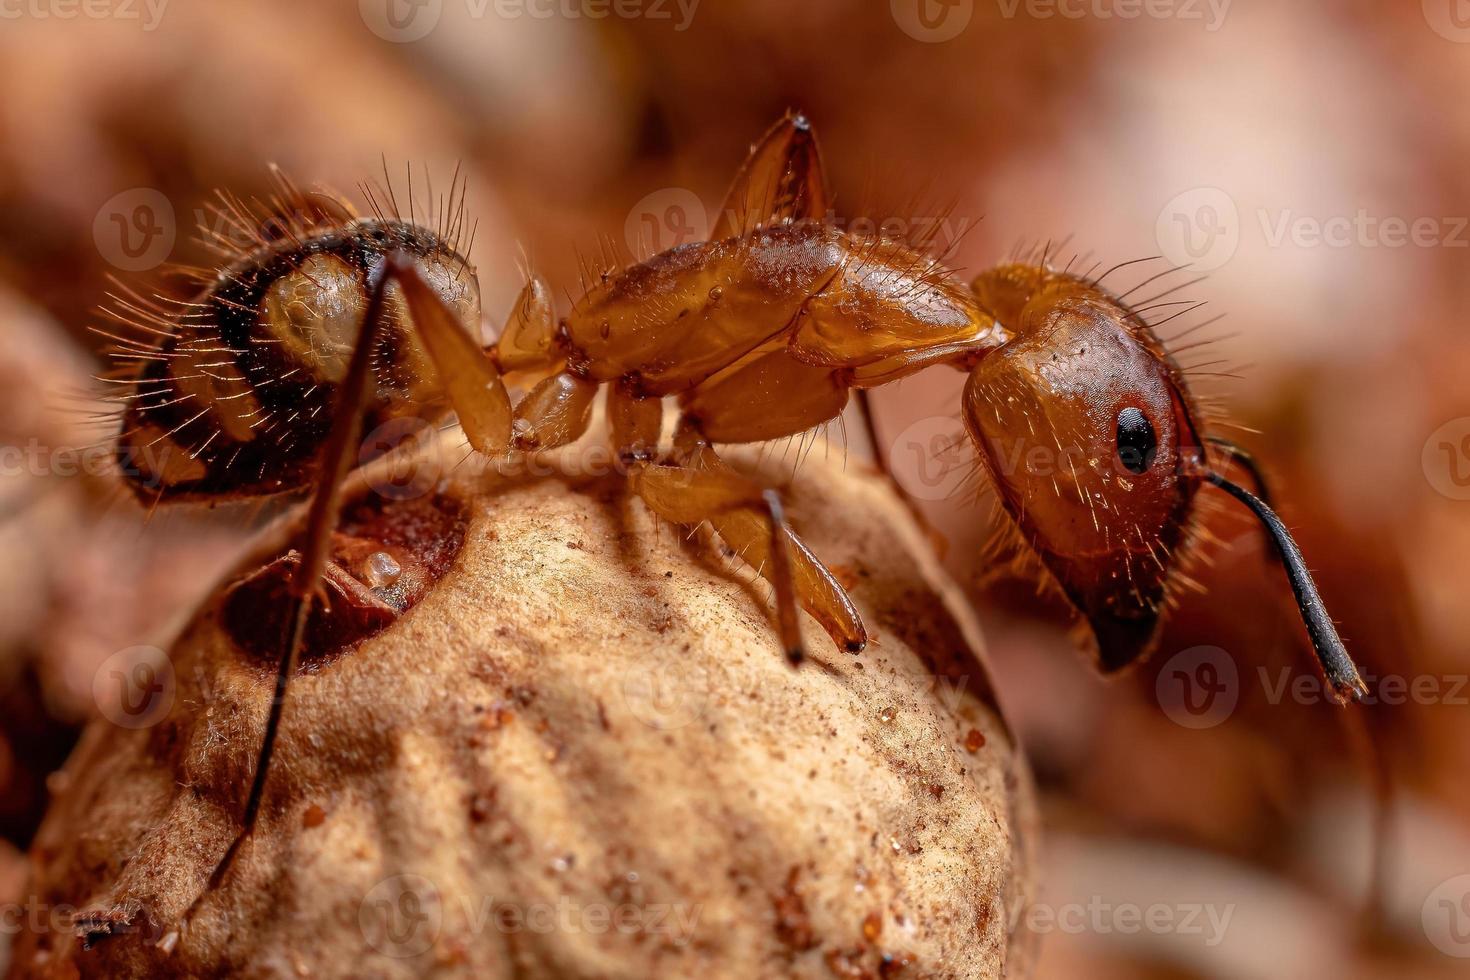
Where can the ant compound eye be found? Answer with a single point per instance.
(1137, 443)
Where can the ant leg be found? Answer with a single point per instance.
(773, 397)
(870, 429)
(463, 370)
(468, 376)
(636, 421)
(555, 412)
(699, 487)
(960, 356)
(529, 338)
(783, 179)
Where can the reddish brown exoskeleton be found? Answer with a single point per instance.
(264, 382)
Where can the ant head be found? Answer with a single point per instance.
(1089, 436)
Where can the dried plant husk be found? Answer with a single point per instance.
(580, 754)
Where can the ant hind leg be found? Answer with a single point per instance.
(474, 389)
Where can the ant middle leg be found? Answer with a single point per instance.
(772, 397)
(635, 421)
(699, 487)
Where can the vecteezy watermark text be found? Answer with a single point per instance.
(1210, 13)
(406, 21)
(148, 12)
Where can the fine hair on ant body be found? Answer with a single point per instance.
(264, 382)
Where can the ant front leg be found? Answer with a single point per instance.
(473, 388)
(557, 410)
(700, 487)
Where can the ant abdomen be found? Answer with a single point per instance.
(235, 400)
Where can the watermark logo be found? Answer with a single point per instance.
(1446, 459)
(932, 21)
(405, 471)
(666, 692)
(401, 21)
(1446, 917)
(135, 687)
(1198, 688)
(926, 460)
(1202, 229)
(135, 230)
(1199, 228)
(665, 219)
(401, 916)
(1450, 19)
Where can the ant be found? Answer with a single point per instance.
(263, 383)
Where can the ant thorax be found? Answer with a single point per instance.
(234, 399)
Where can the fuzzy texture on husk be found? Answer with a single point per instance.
(582, 754)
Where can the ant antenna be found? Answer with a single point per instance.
(1242, 458)
(1341, 672)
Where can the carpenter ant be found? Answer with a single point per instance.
(263, 383)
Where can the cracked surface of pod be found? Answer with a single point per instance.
(578, 752)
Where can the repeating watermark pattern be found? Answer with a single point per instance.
(667, 692)
(36, 917)
(925, 686)
(1450, 19)
(1207, 921)
(401, 21)
(933, 21)
(406, 21)
(1201, 687)
(1199, 228)
(674, 216)
(937, 21)
(1210, 14)
(1202, 228)
(1446, 459)
(933, 459)
(665, 219)
(400, 463)
(1446, 917)
(1198, 688)
(405, 472)
(135, 687)
(1361, 229)
(135, 230)
(148, 13)
(34, 458)
(403, 916)
(926, 458)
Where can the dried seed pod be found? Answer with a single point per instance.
(578, 754)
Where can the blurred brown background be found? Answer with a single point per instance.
(1202, 820)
